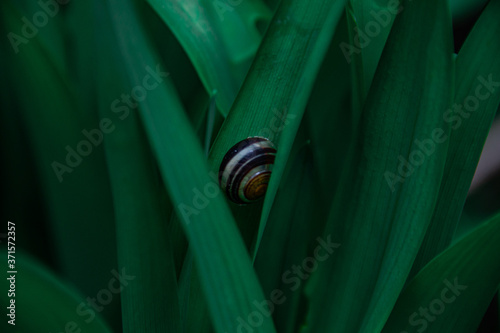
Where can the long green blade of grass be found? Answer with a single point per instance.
(369, 25)
(308, 185)
(220, 38)
(275, 92)
(285, 242)
(476, 65)
(378, 221)
(327, 118)
(38, 71)
(43, 303)
(150, 301)
(320, 21)
(228, 280)
(451, 293)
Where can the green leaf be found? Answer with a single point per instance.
(369, 25)
(285, 242)
(307, 51)
(446, 288)
(144, 245)
(327, 119)
(477, 63)
(309, 181)
(464, 9)
(43, 303)
(227, 278)
(275, 92)
(53, 120)
(220, 38)
(378, 222)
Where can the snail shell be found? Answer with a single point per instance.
(246, 168)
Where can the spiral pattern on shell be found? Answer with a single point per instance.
(246, 168)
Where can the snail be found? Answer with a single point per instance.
(246, 168)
